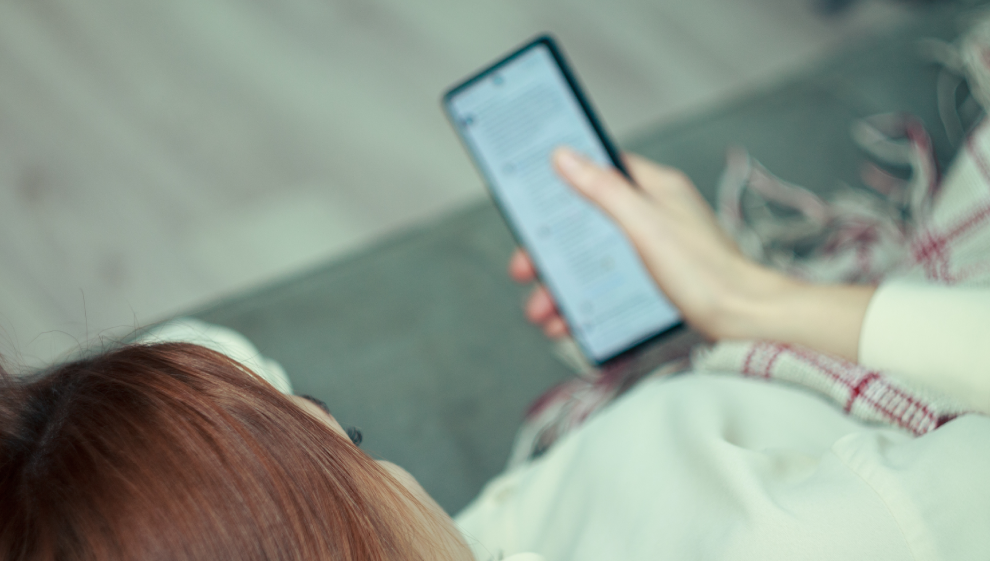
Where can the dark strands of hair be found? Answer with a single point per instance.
(353, 433)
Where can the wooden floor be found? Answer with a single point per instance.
(155, 156)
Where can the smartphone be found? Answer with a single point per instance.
(510, 117)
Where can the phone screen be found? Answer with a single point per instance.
(512, 117)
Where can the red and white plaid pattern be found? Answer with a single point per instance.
(932, 229)
(867, 394)
(947, 242)
(944, 239)
(953, 246)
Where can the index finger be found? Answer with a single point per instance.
(606, 187)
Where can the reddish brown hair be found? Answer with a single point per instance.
(173, 451)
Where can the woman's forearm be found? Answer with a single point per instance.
(935, 337)
(769, 305)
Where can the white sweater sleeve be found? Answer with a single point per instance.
(936, 336)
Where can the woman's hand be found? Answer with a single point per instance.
(719, 291)
(675, 231)
(540, 307)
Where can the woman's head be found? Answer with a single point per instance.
(176, 451)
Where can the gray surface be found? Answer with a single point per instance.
(420, 341)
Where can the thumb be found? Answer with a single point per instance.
(605, 187)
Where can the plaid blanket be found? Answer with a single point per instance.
(928, 227)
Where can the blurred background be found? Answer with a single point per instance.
(158, 156)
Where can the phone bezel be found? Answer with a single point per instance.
(556, 52)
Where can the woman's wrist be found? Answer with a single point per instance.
(766, 304)
(750, 305)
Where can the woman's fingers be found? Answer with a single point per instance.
(611, 191)
(540, 306)
(555, 328)
(656, 180)
(521, 267)
(605, 187)
(542, 310)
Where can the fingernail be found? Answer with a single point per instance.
(568, 160)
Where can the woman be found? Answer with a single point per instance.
(174, 451)
(703, 466)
